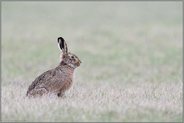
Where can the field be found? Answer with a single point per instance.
(131, 55)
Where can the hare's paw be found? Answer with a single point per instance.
(61, 94)
(37, 92)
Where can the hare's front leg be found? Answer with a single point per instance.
(61, 93)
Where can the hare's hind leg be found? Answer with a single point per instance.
(37, 92)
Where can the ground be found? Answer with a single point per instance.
(131, 55)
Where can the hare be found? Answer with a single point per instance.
(56, 80)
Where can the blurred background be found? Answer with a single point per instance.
(119, 43)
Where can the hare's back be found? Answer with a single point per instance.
(42, 79)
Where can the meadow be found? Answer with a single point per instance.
(131, 55)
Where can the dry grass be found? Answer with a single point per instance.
(97, 103)
(131, 56)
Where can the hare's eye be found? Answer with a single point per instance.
(72, 57)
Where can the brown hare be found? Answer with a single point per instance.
(59, 79)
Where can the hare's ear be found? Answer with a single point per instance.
(63, 45)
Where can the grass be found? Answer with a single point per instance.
(131, 55)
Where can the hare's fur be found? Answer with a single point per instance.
(56, 80)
